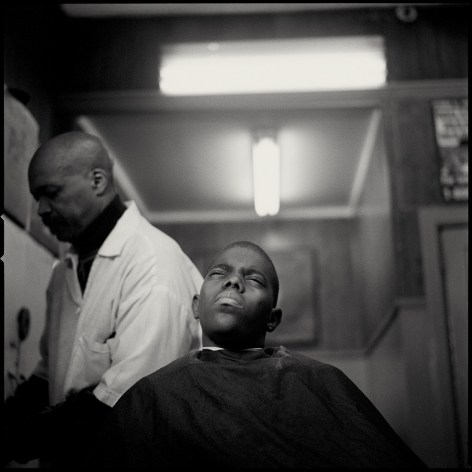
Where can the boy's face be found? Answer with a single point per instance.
(235, 303)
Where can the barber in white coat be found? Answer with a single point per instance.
(118, 305)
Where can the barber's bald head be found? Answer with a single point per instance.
(71, 177)
(74, 152)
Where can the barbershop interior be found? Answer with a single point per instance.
(332, 135)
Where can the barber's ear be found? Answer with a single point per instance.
(99, 180)
(274, 319)
(195, 302)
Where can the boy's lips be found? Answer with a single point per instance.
(229, 298)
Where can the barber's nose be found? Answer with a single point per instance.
(234, 281)
(43, 206)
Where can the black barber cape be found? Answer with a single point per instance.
(264, 408)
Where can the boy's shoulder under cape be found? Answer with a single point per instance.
(263, 408)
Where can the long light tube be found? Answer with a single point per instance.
(266, 174)
(273, 66)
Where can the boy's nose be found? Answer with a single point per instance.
(234, 281)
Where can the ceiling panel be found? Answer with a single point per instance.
(320, 155)
(199, 162)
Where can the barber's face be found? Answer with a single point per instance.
(66, 200)
(235, 303)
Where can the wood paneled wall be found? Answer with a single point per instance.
(30, 61)
(112, 54)
(414, 164)
(373, 248)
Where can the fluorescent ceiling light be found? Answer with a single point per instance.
(296, 65)
(266, 174)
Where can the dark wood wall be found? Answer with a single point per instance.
(30, 60)
(104, 54)
(76, 54)
(415, 179)
(372, 245)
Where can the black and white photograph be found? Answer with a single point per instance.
(235, 235)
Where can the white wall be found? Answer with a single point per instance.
(27, 267)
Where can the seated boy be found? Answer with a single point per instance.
(238, 404)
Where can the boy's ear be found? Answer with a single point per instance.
(274, 319)
(195, 302)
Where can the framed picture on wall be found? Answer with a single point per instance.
(298, 298)
(451, 127)
(298, 295)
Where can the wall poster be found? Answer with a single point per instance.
(451, 126)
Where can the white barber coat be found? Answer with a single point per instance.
(134, 316)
